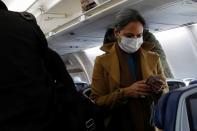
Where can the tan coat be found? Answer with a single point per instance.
(106, 74)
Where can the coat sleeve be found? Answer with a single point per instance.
(160, 73)
(100, 88)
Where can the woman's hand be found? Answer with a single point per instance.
(138, 89)
(155, 83)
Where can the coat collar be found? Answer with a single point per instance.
(112, 62)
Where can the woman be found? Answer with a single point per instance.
(120, 76)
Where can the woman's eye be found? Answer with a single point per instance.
(129, 36)
(139, 36)
(133, 36)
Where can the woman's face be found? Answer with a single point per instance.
(131, 30)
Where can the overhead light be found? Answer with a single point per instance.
(20, 5)
(82, 18)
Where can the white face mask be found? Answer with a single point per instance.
(130, 45)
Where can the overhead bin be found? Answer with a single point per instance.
(107, 7)
(87, 29)
(94, 21)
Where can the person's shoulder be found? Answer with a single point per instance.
(100, 57)
(151, 54)
(28, 17)
(147, 48)
(103, 59)
(21, 16)
(103, 56)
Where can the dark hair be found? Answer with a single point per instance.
(109, 36)
(126, 16)
(3, 6)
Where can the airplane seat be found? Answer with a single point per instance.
(175, 84)
(87, 92)
(177, 110)
(193, 82)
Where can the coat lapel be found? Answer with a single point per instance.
(111, 64)
(148, 63)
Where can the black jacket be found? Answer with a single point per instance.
(25, 93)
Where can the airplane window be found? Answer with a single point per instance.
(193, 82)
(178, 44)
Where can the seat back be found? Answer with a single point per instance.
(193, 82)
(177, 110)
(186, 119)
(175, 84)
